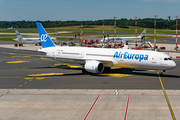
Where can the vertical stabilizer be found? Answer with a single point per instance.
(19, 37)
(44, 37)
(143, 34)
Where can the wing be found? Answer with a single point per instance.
(82, 61)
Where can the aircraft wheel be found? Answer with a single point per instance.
(126, 43)
(161, 74)
(84, 71)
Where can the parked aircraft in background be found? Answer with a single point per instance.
(124, 39)
(10, 28)
(31, 40)
(95, 60)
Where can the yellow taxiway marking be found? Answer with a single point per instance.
(16, 56)
(40, 78)
(72, 66)
(60, 66)
(65, 66)
(57, 64)
(28, 78)
(9, 53)
(8, 92)
(21, 56)
(115, 74)
(26, 56)
(17, 61)
(44, 58)
(25, 82)
(169, 105)
(152, 70)
(45, 74)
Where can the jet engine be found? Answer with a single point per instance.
(94, 67)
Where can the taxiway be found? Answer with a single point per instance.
(32, 87)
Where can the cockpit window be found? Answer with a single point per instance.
(167, 58)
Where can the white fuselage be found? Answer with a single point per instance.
(34, 40)
(137, 59)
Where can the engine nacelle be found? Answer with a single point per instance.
(94, 67)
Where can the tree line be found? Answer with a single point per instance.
(123, 23)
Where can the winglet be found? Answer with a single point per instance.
(44, 37)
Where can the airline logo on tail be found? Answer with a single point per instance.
(43, 37)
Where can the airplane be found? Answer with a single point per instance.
(10, 28)
(95, 60)
(124, 39)
(31, 40)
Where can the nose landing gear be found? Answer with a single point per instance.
(161, 72)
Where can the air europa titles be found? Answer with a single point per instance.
(127, 55)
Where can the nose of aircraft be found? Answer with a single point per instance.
(173, 65)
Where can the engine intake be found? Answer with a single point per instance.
(94, 66)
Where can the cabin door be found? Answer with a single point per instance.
(153, 59)
(82, 54)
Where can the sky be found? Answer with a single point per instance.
(63, 10)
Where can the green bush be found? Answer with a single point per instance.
(88, 26)
(123, 26)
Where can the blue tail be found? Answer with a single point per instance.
(45, 39)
